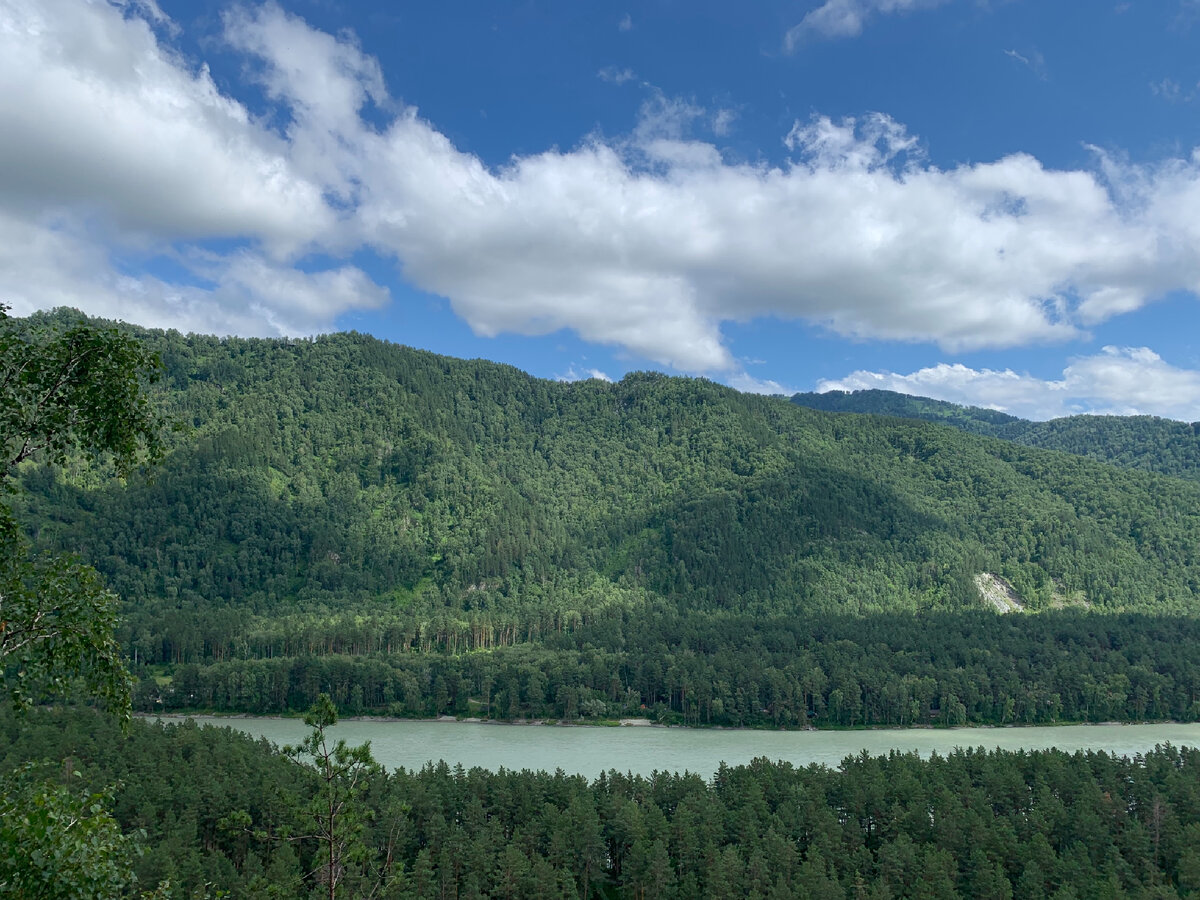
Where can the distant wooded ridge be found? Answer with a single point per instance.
(1149, 443)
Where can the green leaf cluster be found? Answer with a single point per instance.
(55, 843)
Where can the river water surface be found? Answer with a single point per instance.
(642, 750)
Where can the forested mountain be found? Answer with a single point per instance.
(376, 506)
(975, 419)
(1132, 442)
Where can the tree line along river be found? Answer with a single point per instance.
(589, 751)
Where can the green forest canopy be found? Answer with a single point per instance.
(345, 499)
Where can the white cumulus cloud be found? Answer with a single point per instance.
(573, 374)
(847, 18)
(613, 75)
(98, 116)
(43, 265)
(114, 147)
(648, 241)
(1118, 381)
(743, 381)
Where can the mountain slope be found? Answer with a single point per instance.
(347, 468)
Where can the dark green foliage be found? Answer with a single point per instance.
(56, 844)
(67, 391)
(974, 419)
(422, 536)
(970, 824)
(69, 387)
(735, 670)
(180, 788)
(57, 627)
(1132, 442)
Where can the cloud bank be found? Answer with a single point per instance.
(1118, 381)
(648, 242)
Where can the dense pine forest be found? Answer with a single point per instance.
(214, 811)
(419, 535)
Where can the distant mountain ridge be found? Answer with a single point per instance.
(1147, 443)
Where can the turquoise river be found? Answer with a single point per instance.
(643, 749)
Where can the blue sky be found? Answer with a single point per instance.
(990, 202)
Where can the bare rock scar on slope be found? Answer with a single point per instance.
(999, 593)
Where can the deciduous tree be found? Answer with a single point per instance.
(66, 388)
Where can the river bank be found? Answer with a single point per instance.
(649, 723)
